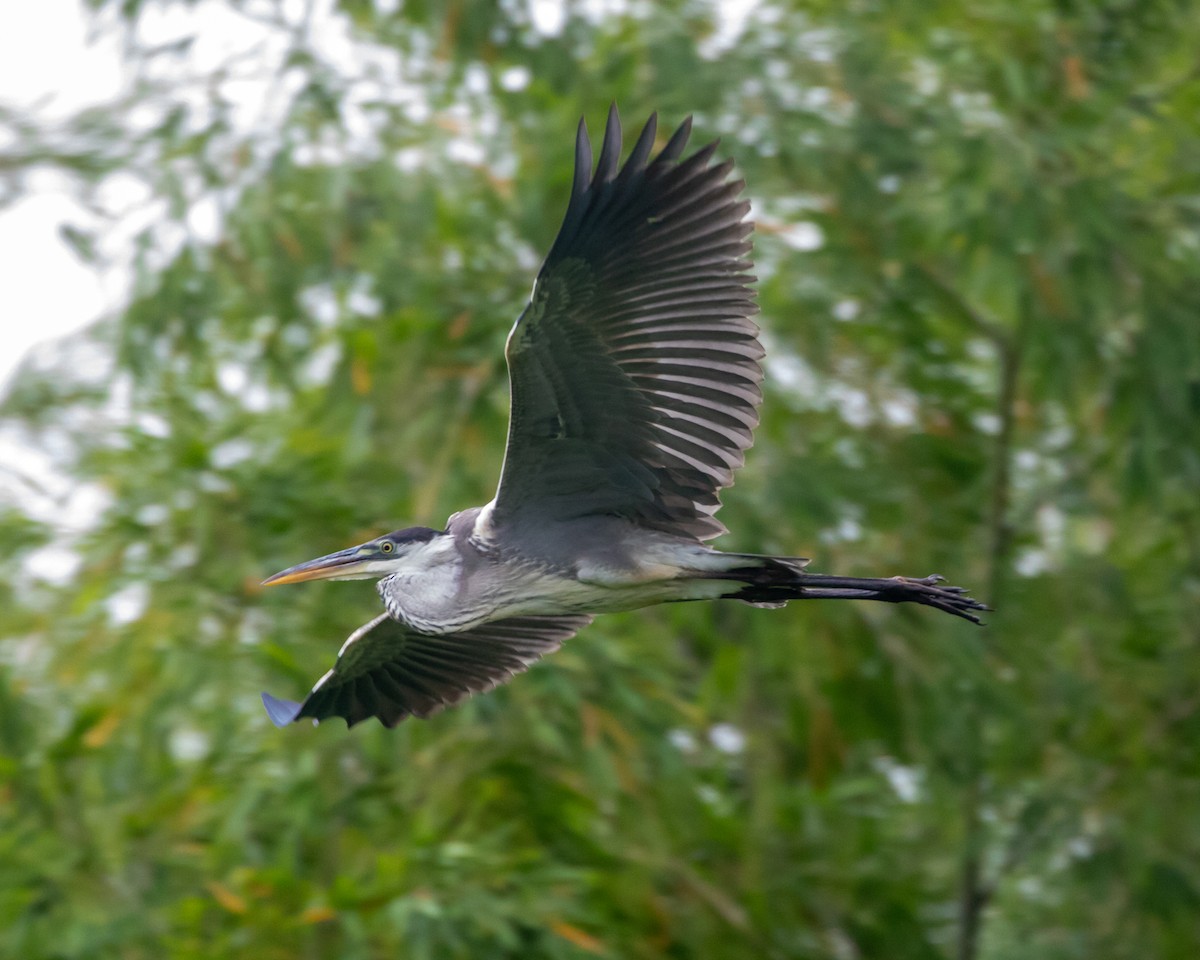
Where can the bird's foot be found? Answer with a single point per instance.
(928, 590)
(924, 590)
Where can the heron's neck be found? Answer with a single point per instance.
(424, 589)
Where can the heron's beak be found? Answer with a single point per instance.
(347, 564)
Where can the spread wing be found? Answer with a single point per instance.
(388, 671)
(634, 369)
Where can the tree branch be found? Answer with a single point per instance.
(983, 323)
(975, 891)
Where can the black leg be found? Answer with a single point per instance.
(819, 586)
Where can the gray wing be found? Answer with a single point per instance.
(388, 671)
(634, 369)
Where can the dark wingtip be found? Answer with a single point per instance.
(583, 159)
(674, 148)
(610, 149)
(281, 712)
(642, 149)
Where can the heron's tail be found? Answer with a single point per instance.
(773, 581)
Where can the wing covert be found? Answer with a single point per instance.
(634, 370)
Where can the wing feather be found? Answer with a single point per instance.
(634, 370)
(389, 671)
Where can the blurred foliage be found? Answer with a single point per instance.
(979, 252)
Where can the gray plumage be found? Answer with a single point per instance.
(635, 385)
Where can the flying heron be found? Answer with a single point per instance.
(635, 385)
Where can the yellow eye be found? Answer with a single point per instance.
(387, 546)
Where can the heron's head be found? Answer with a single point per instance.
(374, 559)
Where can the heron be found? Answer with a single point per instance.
(635, 384)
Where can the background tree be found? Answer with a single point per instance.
(979, 252)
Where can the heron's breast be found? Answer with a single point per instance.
(428, 600)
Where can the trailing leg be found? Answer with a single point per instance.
(926, 590)
(776, 580)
